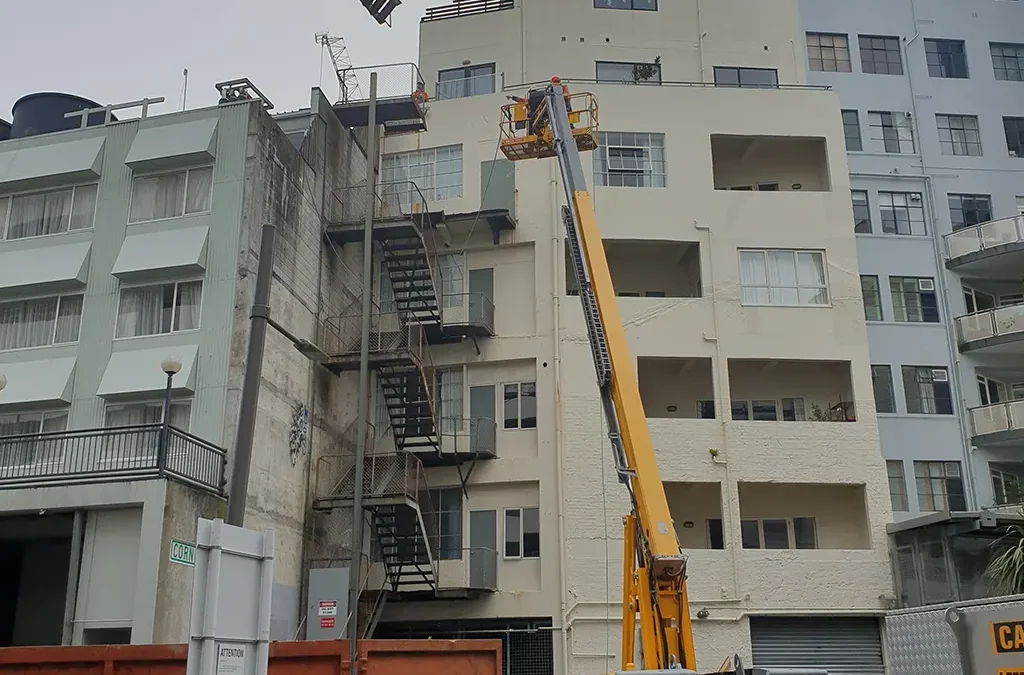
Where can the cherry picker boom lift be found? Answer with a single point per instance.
(551, 122)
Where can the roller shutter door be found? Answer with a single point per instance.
(843, 645)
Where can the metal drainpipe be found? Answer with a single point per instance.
(362, 423)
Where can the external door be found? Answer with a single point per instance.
(482, 427)
(481, 296)
(483, 549)
(841, 645)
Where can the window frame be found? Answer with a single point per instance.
(632, 5)
(903, 293)
(449, 553)
(30, 447)
(939, 69)
(184, 197)
(764, 255)
(857, 222)
(849, 125)
(833, 47)
(1017, 57)
(56, 319)
(974, 199)
(889, 384)
(900, 499)
(739, 70)
(926, 499)
(519, 405)
(791, 538)
(945, 122)
(887, 200)
(655, 79)
(995, 473)
(147, 402)
(465, 80)
(901, 132)
(174, 310)
(649, 179)
(9, 197)
(1018, 130)
(521, 540)
(870, 66)
(876, 294)
(921, 400)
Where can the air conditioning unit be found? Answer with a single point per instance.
(926, 284)
(940, 375)
(915, 197)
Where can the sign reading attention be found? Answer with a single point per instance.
(183, 553)
(1008, 637)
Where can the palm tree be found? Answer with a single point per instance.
(1005, 571)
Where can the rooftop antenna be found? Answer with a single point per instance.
(348, 83)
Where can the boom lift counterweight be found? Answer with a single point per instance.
(551, 122)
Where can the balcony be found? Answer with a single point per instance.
(676, 388)
(396, 206)
(115, 454)
(463, 439)
(998, 424)
(652, 268)
(400, 108)
(465, 315)
(751, 163)
(460, 8)
(392, 341)
(996, 331)
(992, 250)
(791, 391)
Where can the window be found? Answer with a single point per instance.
(939, 486)
(881, 383)
(705, 409)
(914, 300)
(851, 130)
(765, 410)
(448, 384)
(437, 172)
(861, 212)
(756, 78)
(927, 390)
(51, 212)
(781, 277)
(891, 131)
(31, 451)
(158, 310)
(946, 58)
(880, 54)
(447, 506)
(959, 135)
(40, 323)
(522, 533)
(774, 533)
(716, 534)
(465, 82)
(897, 485)
(171, 195)
(869, 289)
(620, 72)
(990, 391)
(1006, 487)
(902, 212)
(138, 414)
(521, 405)
(1014, 128)
(626, 159)
(452, 267)
(647, 5)
(793, 410)
(968, 210)
(1007, 61)
(828, 52)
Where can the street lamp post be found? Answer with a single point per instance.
(171, 367)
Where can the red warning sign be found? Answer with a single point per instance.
(327, 622)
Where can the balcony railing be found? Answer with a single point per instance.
(109, 455)
(984, 236)
(475, 435)
(996, 322)
(466, 8)
(472, 309)
(469, 568)
(390, 335)
(394, 80)
(992, 419)
(478, 85)
(396, 200)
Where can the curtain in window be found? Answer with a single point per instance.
(200, 190)
(83, 208)
(754, 278)
(811, 277)
(188, 304)
(155, 197)
(23, 452)
(69, 319)
(27, 324)
(450, 396)
(140, 312)
(782, 278)
(39, 214)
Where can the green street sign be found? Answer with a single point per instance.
(183, 553)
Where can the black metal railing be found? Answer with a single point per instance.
(466, 8)
(663, 83)
(111, 454)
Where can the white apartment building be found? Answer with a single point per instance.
(725, 211)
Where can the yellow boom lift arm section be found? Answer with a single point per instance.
(549, 122)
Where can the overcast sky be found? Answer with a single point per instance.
(113, 51)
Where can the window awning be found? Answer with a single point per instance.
(148, 255)
(37, 382)
(44, 269)
(137, 371)
(173, 146)
(41, 166)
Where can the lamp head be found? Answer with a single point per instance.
(171, 366)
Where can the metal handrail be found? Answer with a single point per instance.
(664, 83)
(473, 309)
(990, 234)
(998, 417)
(990, 323)
(466, 8)
(394, 80)
(454, 89)
(111, 454)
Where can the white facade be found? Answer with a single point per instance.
(712, 339)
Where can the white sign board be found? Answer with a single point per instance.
(230, 624)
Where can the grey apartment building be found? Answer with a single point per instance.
(932, 93)
(124, 246)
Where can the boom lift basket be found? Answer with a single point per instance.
(526, 132)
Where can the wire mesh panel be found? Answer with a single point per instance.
(394, 80)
